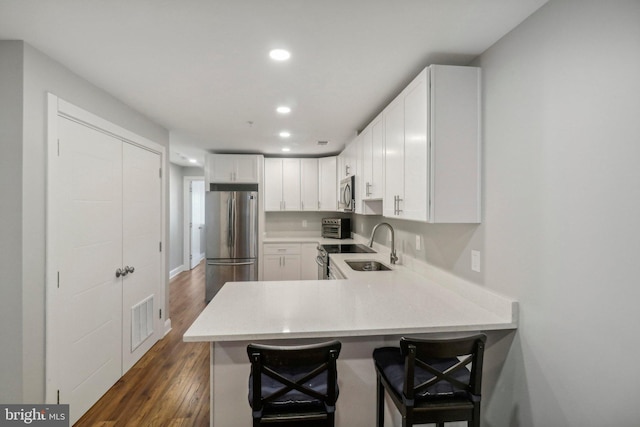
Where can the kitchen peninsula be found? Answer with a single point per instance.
(364, 311)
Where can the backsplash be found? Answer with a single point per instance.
(291, 223)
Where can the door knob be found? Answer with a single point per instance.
(128, 269)
(121, 272)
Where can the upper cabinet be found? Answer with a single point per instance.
(373, 160)
(240, 168)
(309, 185)
(327, 183)
(282, 184)
(432, 148)
(300, 184)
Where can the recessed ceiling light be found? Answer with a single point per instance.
(279, 54)
(285, 134)
(283, 109)
(286, 149)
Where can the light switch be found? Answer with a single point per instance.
(475, 261)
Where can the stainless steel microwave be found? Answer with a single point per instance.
(347, 198)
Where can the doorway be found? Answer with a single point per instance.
(194, 242)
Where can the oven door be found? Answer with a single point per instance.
(346, 202)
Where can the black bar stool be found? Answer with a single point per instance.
(294, 384)
(428, 380)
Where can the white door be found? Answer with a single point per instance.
(141, 252)
(197, 223)
(87, 319)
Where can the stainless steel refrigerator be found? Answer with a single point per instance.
(231, 222)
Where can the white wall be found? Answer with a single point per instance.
(11, 61)
(562, 208)
(40, 75)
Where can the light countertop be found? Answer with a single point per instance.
(393, 302)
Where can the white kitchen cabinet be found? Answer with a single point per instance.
(432, 148)
(309, 185)
(393, 117)
(281, 261)
(282, 184)
(347, 160)
(240, 168)
(308, 265)
(327, 183)
(373, 160)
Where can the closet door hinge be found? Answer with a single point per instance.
(58, 397)
(160, 172)
(58, 280)
(160, 314)
(160, 246)
(58, 147)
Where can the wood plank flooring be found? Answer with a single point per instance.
(169, 386)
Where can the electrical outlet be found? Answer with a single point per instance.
(304, 223)
(417, 242)
(475, 261)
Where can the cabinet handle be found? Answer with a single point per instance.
(346, 170)
(368, 190)
(398, 200)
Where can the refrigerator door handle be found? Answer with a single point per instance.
(230, 263)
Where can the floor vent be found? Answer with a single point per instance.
(141, 322)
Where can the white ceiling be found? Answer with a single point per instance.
(200, 68)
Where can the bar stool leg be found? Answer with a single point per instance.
(380, 404)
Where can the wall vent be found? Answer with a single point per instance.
(141, 322)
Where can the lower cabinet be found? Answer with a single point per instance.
(289, 261)
(281, 261)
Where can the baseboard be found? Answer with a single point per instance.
(167, 327)
(173, 273)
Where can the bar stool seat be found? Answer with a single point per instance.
(293, 384)
(428, 379)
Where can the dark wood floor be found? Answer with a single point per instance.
(169, 386)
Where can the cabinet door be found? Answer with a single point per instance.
(309, 184)
(367, 162)
(272, 184)
(416, 163)
(372, 160)
(271, 269)
(393, 117)
(328, 183)
(246, 168)
(291, 184)
(221, 168)
(377, 159)
(290, 267)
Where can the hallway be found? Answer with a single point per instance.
(169, 386)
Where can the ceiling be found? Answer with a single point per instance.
(201, 69)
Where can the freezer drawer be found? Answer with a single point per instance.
(221, 271)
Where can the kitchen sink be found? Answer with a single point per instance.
(367, 265)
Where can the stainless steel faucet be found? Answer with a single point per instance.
(393, 255)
